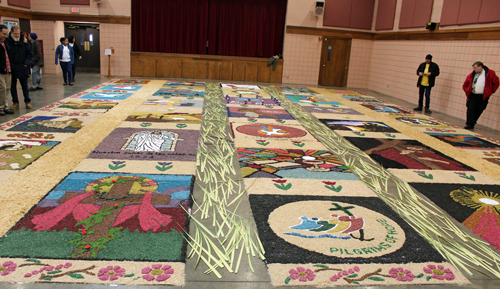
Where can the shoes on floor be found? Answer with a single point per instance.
(1, 112)
(418, 108)
(15, 105)
(8, 111)
(28, 105)
(71, 84)
(65, 83)
(39, 88)
(428, 110)
(32, 88)
(469, 127)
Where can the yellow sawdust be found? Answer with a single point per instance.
(460, 155)
(25, 189)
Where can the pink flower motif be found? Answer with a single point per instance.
(59, 267)
(439, 272)
(302, 274)
(356, 268)
(67, 265)
(110, 273)
(27, 275)
(157, 272)
(401, 275)
(7, 268)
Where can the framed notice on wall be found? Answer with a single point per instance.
(10, 23)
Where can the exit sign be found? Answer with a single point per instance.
(75, 10)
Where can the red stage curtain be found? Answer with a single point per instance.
(171, 26)
(252, 28)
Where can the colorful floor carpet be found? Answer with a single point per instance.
(119, 215)
(319, 225)
(113, 209)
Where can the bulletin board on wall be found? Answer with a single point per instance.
(10, 23)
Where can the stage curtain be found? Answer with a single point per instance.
(252, 28)
(171, 26)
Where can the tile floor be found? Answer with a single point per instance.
(54, 91)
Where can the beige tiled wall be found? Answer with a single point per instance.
(49, 32)
(302, 55)
(359, 71)
(108, 7)
(117, 36)
(393, 72)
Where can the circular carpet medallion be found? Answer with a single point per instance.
(337, 229)
(271, 131)
(418, 121)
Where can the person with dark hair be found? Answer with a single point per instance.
(78, 54)
(21, 58)
(65, 56)
(37, 62)
(478, 87)
(5, 71)
(427, 72)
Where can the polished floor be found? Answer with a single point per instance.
(54, 91)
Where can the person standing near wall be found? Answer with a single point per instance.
(5, 71)
(37, 62)
(427, 72)
(22, 57)
(65, 56)
(478, 87)
(78, 54)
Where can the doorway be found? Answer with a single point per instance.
(87, 39)
(334, 66)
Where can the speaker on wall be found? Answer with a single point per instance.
(320, 8)
(431, 26)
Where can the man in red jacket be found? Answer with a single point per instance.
(478, 87)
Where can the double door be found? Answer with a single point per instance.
(87, 39)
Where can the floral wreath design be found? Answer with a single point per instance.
(353, 275)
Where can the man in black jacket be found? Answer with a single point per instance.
(5, 71)
(22, 57)
(427, 72)
(37, 62)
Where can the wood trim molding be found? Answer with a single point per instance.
(81, 18)
(202, 57)
(16, 13)
(330, 32)
(486, 33)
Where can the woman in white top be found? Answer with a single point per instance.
(65, 56)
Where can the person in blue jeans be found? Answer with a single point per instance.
(66, 57)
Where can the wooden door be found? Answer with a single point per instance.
(334, 65)
(163, 68)
(188, 68)
(136, 65)
(214, 69)
(226, 71)
(251, 72)
(175, 68)
(239, 70)
(201, 71)
(149, 67)
(263, 72)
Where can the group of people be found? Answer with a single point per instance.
(479, 85)
(67, 54)
(21, 56)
